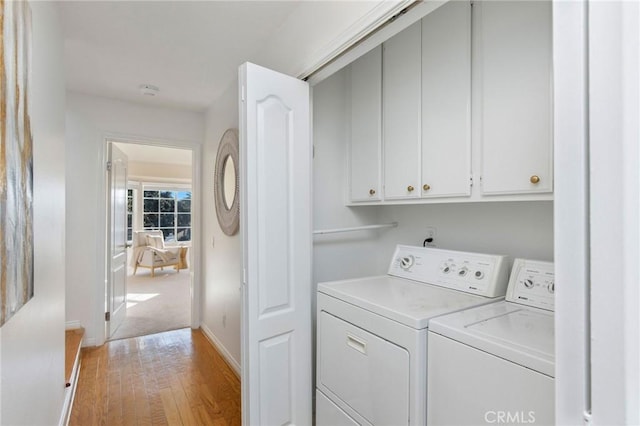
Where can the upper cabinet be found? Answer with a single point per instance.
(446, 101)
(426, 106)
(456, 107)
(366, 127)
(401, 99)
(514, 61)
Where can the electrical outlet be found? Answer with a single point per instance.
(430, 234)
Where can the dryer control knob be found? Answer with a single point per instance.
(528, 283)
(406, 262)
(551, 287)
(479, 275)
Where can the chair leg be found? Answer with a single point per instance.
(135, 268)
(153, 272)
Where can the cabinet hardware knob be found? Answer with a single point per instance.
(372, 191)
(426, 187)
(534, 179)
(410, 188)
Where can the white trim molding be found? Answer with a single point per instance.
(223, 351)
(72, 325)
(614, 132)
(376, 36)
(101, 223)
(571, 212)
(360, 29)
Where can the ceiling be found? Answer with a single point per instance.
(155, 154)
(191, 50)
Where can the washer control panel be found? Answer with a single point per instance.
(476, 273)
(532, 283)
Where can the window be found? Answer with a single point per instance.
(130, 195)
(170, 211)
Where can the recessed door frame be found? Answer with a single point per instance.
(102, 225)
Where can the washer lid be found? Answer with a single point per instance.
(408, 302)
(520, 334)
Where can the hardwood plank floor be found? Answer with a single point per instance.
(171, 378)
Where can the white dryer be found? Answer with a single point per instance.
(372, 332)
(495, 363)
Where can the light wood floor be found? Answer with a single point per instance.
(171, 378)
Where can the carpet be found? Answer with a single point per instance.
(156, 304)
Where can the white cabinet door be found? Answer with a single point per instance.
(515, 63)
(366, 127)
(275, 228)
(401, 76)
(446, 109)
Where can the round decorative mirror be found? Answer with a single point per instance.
(226, 191)
(229, 182)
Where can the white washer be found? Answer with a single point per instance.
(495, 363)
(372, 332)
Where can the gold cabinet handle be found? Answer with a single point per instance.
(534, 179)
(410, 188)
(426, 187)
(372, 191)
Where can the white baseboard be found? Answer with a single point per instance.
(223, 351)
(88, 342)
(72, 325)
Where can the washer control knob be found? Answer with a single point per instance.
(479, 275)
(528, 283)
(551, 287)
(406, 262)
(463, 271)
(446, 268)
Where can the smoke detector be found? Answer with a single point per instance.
(149, 89)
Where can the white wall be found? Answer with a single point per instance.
(344, 255)
(32, 342)
(222, 254)
(517, 229)
(89, 120)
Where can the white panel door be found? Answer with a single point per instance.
(515, 60)
(446, 101)
(275, 177)
(401, 113)
(366, 127)
(117, 241)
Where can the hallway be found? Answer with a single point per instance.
(170, 378)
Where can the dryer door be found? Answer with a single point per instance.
(368, 374)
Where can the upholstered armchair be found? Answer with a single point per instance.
(149, 251)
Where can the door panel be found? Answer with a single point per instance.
(366, 126)
(401, 99)
(117, 246)
(368, 373)
(275, 178)
(446, 101)
(514, 56)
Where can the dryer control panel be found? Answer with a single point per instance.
(532, 283)
(477, 273)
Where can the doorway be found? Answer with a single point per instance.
(160, 210)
